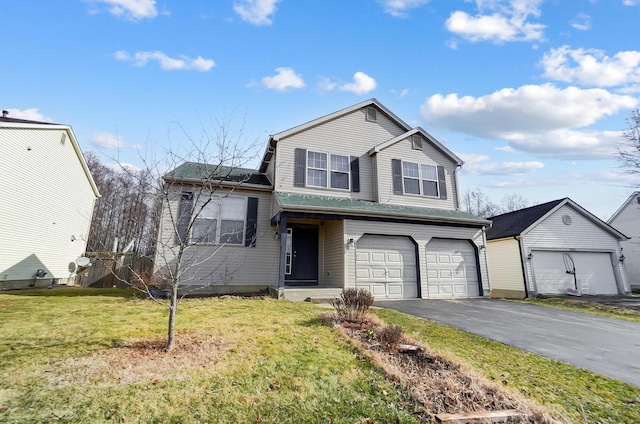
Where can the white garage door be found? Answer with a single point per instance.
(386, 266)
(594, 272)
(451, 269)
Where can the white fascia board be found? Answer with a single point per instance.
(624, 205)
(582, 211)
(429, 137)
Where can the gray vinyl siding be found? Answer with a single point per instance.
(234, 265)
(422, 234)
(505, 265)
(334, 249)
(46, 199)
(349, 135)
(429, 155)
(627, 221)
(581, 235)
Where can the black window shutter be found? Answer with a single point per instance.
(300, 167)
(442, 183)
(355, 174)
(252, 222)
(185, 209)
(396, 168)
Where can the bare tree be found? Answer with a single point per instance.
(195, 194)
(628, 154)
(513, 202)
(476, 202)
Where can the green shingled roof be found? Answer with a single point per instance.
(339, 205)
(199, 171)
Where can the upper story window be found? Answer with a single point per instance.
(340, 172)
(418, 178)
(326, 170)
(317, 169)
(217, 219)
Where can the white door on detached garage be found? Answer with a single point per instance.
(452, 270)
(386, 266)
(594, 272)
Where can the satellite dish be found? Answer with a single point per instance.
(72, 267)
(82, 261)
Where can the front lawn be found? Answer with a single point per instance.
(72, 358)
(89, 356)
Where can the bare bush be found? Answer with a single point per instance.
(389, 336)
(353, 304)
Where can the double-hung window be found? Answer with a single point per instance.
(205, 225)
(418, 178)
(326, 170)
(429, 180)
(340, 172)
(317, 169)
(411, 177)
(219, 220)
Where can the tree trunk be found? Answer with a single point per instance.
(173, 306)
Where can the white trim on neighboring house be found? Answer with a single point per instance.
(408, 134)
(600, 223)
(624, 205)
(70, 134)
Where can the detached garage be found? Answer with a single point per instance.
(549, 248)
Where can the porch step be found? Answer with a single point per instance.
(312, 294)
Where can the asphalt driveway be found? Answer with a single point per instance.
(605, 345)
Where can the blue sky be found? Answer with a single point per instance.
(532, 94)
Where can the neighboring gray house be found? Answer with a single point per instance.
(531, 251)
(47, 196)
(627, 220)
(356, 198)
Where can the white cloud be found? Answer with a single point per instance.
(505, 149)
(399, 8)
(581, 22)
(257, 12)
(167, 63)
(362, 84)
(284, 79)
(630, 2)
(591, 67)
(326, 84)
(30, 114)
(107, 140)
(132, 10)
(499, 21)
(476, 165)
(539, 119)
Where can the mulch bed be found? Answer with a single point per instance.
(437, 383)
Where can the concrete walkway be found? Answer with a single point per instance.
(605, 345)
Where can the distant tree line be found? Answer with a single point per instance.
(476, 202)
(127, 214)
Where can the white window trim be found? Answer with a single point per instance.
(328, 170)
(420, 179)
(220, 200)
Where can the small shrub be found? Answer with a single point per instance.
(353, 304)
(389, 336)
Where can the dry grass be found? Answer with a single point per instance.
(138, 360)
(440, 384)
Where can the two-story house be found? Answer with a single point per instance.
(356, 198)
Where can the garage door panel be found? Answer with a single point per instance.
(451, 269)
(386, 266)
(594, 272)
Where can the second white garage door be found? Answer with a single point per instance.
(451, 269)
(594, 272)
(386, 266)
